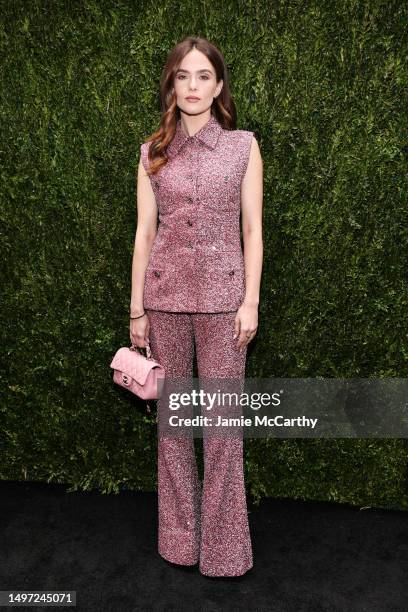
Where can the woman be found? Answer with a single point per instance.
(193, 287)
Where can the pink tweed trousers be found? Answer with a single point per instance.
(205, 523)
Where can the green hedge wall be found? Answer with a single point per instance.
(323, 85)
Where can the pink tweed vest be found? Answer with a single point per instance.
(196, 263)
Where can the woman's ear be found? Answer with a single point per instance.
(219, 88)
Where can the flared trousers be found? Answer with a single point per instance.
(205, 523)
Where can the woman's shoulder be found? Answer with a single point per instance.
(144, 151)
(144, 147)
(239, 141)
(239, 136)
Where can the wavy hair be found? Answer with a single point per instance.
(223, 107)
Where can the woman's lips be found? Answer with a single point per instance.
(193, 99)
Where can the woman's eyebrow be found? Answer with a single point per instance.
(202, 70)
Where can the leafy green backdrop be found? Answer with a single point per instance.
(323, 85)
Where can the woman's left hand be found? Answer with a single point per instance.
(246, 324)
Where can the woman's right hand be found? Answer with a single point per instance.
(139, 331)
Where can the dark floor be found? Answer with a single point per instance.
(307, 556)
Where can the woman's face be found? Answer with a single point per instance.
(196, 77)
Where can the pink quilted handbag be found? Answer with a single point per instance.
(137, 373)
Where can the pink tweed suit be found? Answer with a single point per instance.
(194, 284)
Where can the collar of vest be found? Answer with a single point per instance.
(208, 134)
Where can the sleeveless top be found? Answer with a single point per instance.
(196, 263)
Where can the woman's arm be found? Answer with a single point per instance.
(251, 207)
(145, 235)
(246, 319)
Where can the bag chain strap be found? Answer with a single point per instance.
(141, 349)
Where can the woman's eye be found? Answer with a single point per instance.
(182, 76)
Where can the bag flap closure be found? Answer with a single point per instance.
(133, 364)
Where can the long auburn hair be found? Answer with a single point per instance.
(223, 107)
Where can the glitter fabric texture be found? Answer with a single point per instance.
(201, 523)
(194, 283)
(196, 262)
